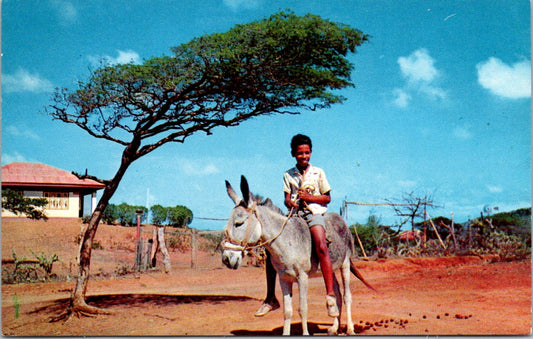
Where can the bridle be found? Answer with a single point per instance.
(231, 244)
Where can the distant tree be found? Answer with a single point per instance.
(179, 216)
(412, 207)
(369, 233)
(126, 214)
(506, 219)
(110, 214)
(16, 203)
(281, 64)
(159, 214)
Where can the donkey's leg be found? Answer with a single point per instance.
(345, 271)
(333, 330)
(303, 283)
(286, 289)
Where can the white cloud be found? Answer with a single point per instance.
(198, 168)
(508, 81)
(242, 4)
(432, 91)
(66, 11)
(494, 189)
(24, 81)
(401, 97)
(8, 158)
(123, 57)
(420, 73)
(419, 66)
(462, 132)
(25, 133)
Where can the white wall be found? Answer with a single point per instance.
(71, 212)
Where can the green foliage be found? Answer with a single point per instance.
(506, 219)
(21, 272)
(16, 304)
(45, 262)
(179, 216)
(26, 271)
(276, 65)
(278, 61)
(110, 214)
(159, 214)
(18, 204)
(124, 214)
(371, 234)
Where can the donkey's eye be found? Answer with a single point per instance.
(239, 223)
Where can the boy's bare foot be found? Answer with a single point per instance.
(331, 304)
(267, 307)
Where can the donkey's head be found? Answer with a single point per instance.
(243, 228)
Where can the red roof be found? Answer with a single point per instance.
(41, 175)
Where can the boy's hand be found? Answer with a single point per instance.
(304, 195)
(294, 204)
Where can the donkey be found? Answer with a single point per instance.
(288, 240)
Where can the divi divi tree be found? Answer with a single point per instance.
(279, 65)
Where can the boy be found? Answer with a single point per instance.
(307, 192)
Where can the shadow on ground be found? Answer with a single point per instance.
(296, 329)
(137, 300)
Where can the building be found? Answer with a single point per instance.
(64, 191)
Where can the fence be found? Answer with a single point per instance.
(186, 248)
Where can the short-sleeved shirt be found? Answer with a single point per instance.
(314, 182)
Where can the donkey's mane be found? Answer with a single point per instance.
(266, 202)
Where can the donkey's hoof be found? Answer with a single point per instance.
(332, 330)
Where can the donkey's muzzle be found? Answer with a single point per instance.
(232, 259)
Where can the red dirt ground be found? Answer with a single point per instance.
(429, 296)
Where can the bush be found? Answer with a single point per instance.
(25, 271)
(16, 203)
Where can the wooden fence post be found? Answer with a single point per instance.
(155, 247)
(145, 254)
(437, 233)
(194, 245)
(163, 246)
(360, 244)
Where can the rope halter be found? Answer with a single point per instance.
(231, 244)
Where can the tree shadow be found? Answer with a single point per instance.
(108, 301)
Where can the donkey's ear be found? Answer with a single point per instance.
(236, 199)
(245, 190)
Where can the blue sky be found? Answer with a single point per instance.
(441, 103)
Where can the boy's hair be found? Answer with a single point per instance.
(300, 139)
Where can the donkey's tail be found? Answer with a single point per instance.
(358, 274)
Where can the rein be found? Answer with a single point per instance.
(231, 244)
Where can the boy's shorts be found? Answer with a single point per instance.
(312, 219)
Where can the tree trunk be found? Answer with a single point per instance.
(77, 303)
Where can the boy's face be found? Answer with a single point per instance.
(302, 155)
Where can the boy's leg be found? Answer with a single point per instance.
(271, 302)
(318, 234)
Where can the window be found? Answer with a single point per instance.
(56, 200)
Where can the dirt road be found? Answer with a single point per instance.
(466, 296)
(430, 296)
